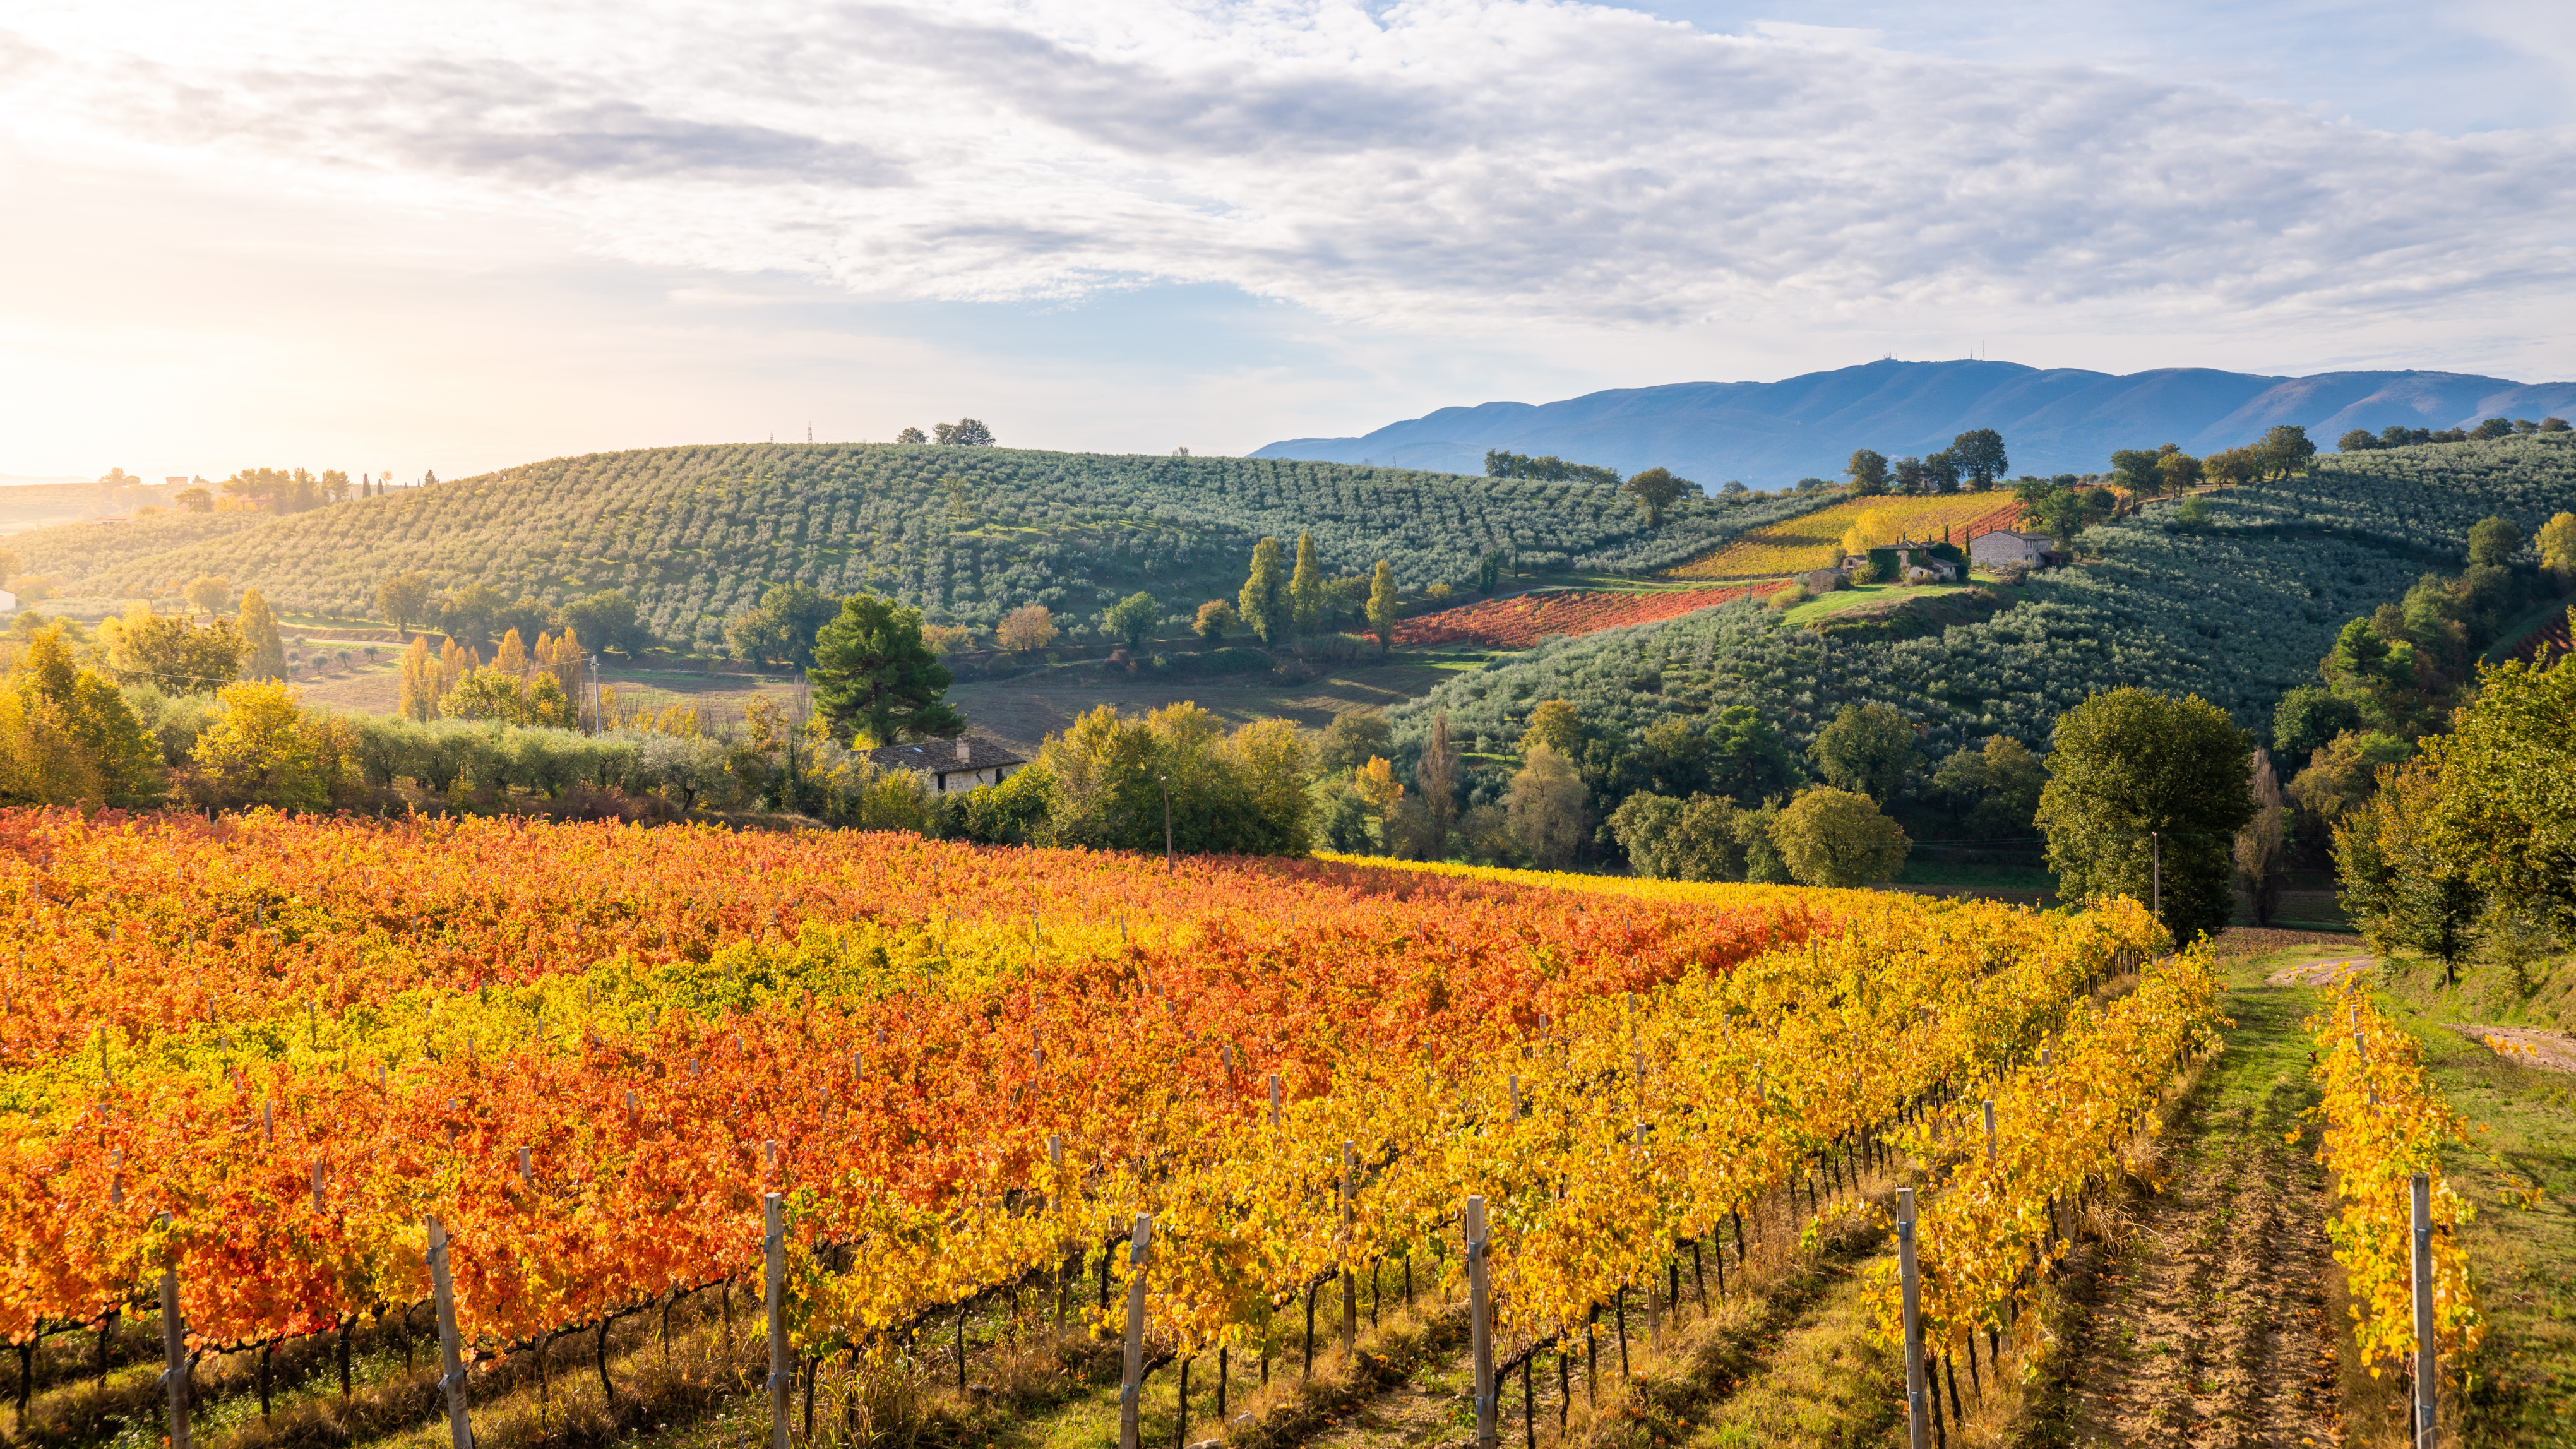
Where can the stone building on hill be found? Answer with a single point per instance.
(963, 763)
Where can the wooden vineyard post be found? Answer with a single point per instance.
(1350, 1280)
(1654, 1314)
(1055, 1160)
(1481, 1322)
(773, 1226)
(174, 1352)
(1131, 1378)
(2420, 1209)
(1917, 1427)
(451, 1358)
(1990, 1130)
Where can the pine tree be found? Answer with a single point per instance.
(1306, 588)
(1264, 603)
(1381, 606)
(264, 654)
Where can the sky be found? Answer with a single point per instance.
(457, 236)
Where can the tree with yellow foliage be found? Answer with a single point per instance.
(66, 736)
(262, 750)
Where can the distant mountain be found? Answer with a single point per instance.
(2056, 420)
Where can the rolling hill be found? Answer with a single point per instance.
(696, 534)
(2238, 613)
(1770, 434)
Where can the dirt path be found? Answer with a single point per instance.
(2529, 1046)
(2204, 1323)
(2320, 973)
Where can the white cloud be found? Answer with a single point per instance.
(1429, 161)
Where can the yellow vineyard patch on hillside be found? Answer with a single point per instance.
(1814, 540)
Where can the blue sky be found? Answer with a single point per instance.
(463, 235)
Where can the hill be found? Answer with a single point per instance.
(2238, 613)
(1770, 434)
(695, 534)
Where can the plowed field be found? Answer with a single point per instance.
(1525, 619)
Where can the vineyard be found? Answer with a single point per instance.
(1814, 540)
(1525, 619)
(250, 1060)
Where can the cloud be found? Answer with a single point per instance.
(1430, 163)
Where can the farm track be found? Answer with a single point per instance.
(2203, 1323)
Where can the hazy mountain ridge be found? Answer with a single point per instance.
(2054, 420)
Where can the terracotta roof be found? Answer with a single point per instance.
(940, 757)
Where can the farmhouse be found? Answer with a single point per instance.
(2004, 548)
(960, 764)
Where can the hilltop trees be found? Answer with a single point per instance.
(963, 433)
(1979, 455)
(2137, 778)
(872, 673)
(1868, 473)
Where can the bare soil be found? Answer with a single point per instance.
(2202, 1321)
(2530, 1046)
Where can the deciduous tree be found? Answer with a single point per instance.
(1831, 837)
(1264, 600)
(1656, 490)
(1132, 620)
(1381, 606)
(1869, 750)
(1215, 617)
(263, 653)
(1028, 628)
(1979, 455)
(1306, 589)
(1867, 471)
(2130, 771)
(1545, 806)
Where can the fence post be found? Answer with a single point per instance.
(1140, 1251)
(1918, 1430)
(774, 1247)
(1480, 1316)
(174, 1350)
(1350, 1280)
(2420, 1205)
(451, 1357)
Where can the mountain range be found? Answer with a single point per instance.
(2063, 419)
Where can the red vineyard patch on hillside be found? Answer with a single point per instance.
(1525, 619)
(2546, 643)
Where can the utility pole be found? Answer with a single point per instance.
(2156, 842)
(597, 725)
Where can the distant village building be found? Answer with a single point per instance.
(8, 602)
(2007, 549)
(960, 764)
(1822, 581)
